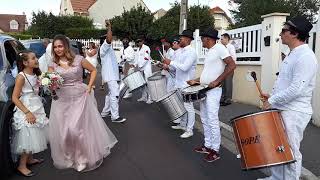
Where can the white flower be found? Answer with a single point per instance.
(45, 81)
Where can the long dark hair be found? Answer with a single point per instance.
(67, 51)
(22, 57)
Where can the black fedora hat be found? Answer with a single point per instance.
(301, 24)
(210, 32)
(187, 33)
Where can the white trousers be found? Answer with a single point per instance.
(170, 83)
(209, 110)
(111, 101)
(295, 123)
(145, 90)
(189, 118)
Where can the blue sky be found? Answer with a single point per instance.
(27, 6)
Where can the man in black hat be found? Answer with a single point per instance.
(218, 64)
(292, 91)
(185, 71)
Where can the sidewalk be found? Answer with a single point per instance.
(310, 146)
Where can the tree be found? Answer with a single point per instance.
(48, 25)
(250, 11)
(133, 23)
(199, 17)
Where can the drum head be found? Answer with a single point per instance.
(155, 77)
(251, 114)
(194, 89)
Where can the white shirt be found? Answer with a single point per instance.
(43, 65)
(127, 54)
(48, 54)
(169, 53)
(143, 60)
(232, 51)
(110, 69)
(214, 64)
(296, 81)
(185, 66)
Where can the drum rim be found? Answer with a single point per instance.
(203, 85)
(156, 76)
(269, 165)
(252, 113)
(166, 95)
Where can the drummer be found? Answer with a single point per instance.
(127, 56)
(292, 91)
(218, 64)
(143, 62)
(185, 66)
(172, 53)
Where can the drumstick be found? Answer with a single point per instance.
(254, 76)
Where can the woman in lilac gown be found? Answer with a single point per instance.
(79, 138)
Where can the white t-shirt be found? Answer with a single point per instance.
(232, 51)
(213, 63)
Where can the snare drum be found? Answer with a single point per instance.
(194, 93)
(157, 86)
(261, 140)
(173, 103)
(134, 80)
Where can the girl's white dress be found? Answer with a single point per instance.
(30, 138)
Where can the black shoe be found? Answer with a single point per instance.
(30, 174)
(225, 103)
(119, 120)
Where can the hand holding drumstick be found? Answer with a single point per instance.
(263, 96)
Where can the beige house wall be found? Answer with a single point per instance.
(66, 8)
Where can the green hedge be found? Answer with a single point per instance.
(84, 33)
(20, 36)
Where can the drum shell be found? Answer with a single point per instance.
(173, 104)
(157, 86)
(258, 137)
(194, 96)
(134, 80)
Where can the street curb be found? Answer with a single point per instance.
(227, 141)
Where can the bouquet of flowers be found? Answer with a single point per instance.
(51, 81)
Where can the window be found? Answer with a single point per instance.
(14, 25)
(1, 59)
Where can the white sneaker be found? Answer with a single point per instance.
(178, 127)
(81, 167)
(105, 114)
(187, 134)
(177, 121)
(149, 101)
(128, 95)
(142, 99)
(266, 178)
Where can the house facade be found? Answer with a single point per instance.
(221, 20)
(98, 10)
(12, 23)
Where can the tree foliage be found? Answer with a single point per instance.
(133, 23)
(250, 11)
(47, 25)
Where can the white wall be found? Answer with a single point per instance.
(105, 9)
(66, 4)
(316, 94)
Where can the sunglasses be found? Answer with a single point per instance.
(284, 30)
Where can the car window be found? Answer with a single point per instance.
(1, 59)
(38, 48)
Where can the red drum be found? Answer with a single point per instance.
(261, 140)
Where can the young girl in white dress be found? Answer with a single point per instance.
(29, 119)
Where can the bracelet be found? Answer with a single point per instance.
(26, 112)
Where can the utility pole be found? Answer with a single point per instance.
(183, 15)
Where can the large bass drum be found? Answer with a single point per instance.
(157, 86)
(261, 140)
(173, 104)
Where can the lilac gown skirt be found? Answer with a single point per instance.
(79, 138)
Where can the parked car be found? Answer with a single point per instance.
(9, 48)
(35, 45)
